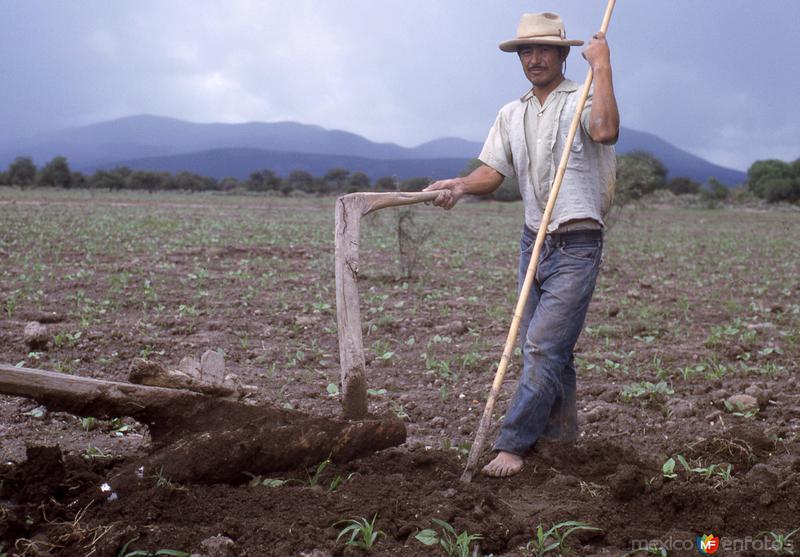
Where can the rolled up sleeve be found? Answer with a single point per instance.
(496, 151)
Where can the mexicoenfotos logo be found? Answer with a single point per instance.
(708, 544)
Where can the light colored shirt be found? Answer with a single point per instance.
(527, 140)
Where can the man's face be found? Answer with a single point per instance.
(541, 63)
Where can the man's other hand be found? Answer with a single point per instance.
(450, 191)
(597, 52)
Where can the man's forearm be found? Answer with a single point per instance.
(481, 181)
(604, 116)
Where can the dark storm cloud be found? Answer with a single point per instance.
(713, 77)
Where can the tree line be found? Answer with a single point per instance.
(638, 173)
(23, 172)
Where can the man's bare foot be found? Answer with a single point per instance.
(504, 465)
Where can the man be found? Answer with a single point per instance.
(527, 139)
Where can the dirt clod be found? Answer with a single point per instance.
(212, 367)
(218, 546)
(36, 336)
(627, 482)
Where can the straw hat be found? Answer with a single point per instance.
(543, 28)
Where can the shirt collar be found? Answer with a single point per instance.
(566, 86)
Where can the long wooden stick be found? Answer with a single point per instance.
(483, 428)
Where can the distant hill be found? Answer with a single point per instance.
(239, 163)
(677, 161)
(219, 150)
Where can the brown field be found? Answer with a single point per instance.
(693, 306)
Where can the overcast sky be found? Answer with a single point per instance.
(718, 78)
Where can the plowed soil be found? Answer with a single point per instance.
(693, 307)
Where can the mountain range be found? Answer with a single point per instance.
(158, 143)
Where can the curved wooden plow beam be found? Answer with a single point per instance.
(349, 210)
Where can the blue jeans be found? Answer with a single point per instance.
(544, 404)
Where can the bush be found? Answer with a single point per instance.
(414, 184)
(682, 185)
(638, 173)
(386, 183)
(300, 180)
(22, 172)
(56, 173)
(775, 180)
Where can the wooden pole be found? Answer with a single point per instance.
(349, 210)
(483, 427)
(206, 439)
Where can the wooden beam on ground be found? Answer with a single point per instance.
(206, 439)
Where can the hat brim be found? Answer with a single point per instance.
(514, 44)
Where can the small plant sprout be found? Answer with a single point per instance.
(453, 543)
(93, 452)
(118, 428)
(362, 532)
(721, 471)
(737, 408)
(313, 479)
(781, 543)
(668, 469)
(163, 482)
(398, 410)
(256, 481)
(552, 541)
(88, 423)
(646, 390)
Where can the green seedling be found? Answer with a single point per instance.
(781, 543)
(398, 410)
(452, 542)
(256, 481)
(313, 479)
(11, 304)
(553, 541)
(668, 469)
(119, 428)
(163, 482)
(67, 339)
(647, 391)
(37, 412)
(462, 448)
(722, 471)
(739, 409)
(88, 423)
(362, 532)
(92, 453)
(336, 482)
(144, 553)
